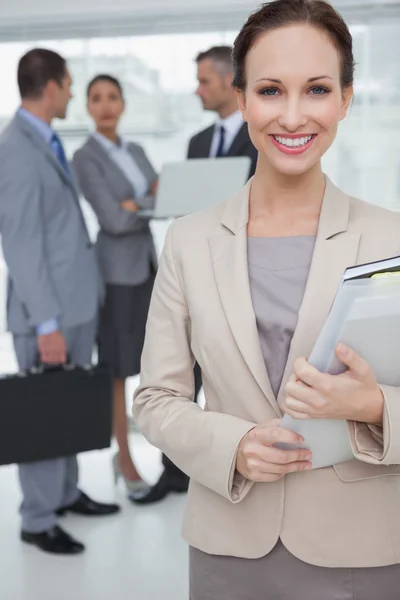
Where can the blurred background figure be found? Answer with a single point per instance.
(117, 180)
(54, 286)
(229, 136)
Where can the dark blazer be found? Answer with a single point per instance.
(200, 145)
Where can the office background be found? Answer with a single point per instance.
(151, 47)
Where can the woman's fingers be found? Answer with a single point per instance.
(260, 461)
(269, 435)
(285, 457)
(263, 461)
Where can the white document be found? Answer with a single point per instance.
(366, 317)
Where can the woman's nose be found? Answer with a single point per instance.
(292, 116)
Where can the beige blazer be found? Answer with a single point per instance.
(342, 516)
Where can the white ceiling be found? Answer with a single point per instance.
(24, 19)
(19, 9)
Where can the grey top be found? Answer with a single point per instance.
(278, 273)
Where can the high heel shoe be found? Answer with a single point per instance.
(132, 487)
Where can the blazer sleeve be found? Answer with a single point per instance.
(146, 202)
(201, 443)
(23, 241)
(113, 219)
(379, 445)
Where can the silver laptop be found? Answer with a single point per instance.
(193, 185)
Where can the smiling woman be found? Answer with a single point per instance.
(261, 522)
(295, 100)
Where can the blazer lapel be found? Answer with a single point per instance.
(229, 259)
(110, 165)
(336, 248)
(143, 164)
(241, 140)
(41, 145)
(205, 143)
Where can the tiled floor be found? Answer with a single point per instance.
(137, 555)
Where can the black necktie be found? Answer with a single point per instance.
(221, 144)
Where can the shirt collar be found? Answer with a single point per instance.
(231, 123)
(43, 128)
(108, 145)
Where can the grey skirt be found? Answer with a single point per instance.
(122, 327)
(282, 576)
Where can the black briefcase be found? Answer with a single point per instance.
(50, 413)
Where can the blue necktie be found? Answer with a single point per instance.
(221, 144)
(59, 152)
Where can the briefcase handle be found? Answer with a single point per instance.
(40, 367)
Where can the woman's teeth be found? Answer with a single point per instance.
(293, 142)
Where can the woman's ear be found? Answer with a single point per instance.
(348, 95)
(241, 98)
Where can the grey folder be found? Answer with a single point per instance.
(366, 317)
(193, 185)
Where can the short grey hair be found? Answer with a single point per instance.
(221, 57)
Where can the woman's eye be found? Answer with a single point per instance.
(269, 92)
(319, 90)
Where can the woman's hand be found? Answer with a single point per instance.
(258, 461)
(351, 396)
(154, 188)
(129, 205)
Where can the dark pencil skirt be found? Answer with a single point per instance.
(282, 576)
(122, 327)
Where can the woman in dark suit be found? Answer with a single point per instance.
(117, 180)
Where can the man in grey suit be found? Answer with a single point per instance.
(54, 285)
(229, 136)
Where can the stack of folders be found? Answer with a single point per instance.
(366, 316)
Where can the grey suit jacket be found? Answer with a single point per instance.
(200, 145)
(125, 245)
(51, 262)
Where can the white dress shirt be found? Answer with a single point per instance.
(120, 154)
(232, 125)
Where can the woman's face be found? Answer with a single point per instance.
(293, 101)
(105, 105)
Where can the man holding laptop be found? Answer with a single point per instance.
(229, 136)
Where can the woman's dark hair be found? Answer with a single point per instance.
(109, 79)
(282, 13)
(36, 69)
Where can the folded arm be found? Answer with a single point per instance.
(112, 217)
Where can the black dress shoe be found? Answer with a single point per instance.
(89, 508)
(164, 486)
(54, 541)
